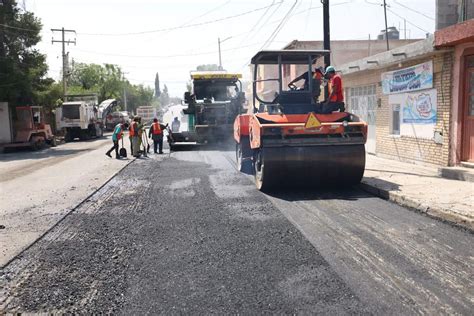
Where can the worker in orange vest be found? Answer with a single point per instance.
(156, 133)
(133, 130)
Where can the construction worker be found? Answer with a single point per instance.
(156, 133)
(175, 125)
(116, 136)
(317, 77)
(134, 137)
(335, 100)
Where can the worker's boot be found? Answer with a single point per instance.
(108, 154)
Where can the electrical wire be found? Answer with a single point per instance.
(279, 26)
(413, 10)
(167, 56)
(181, 27)
(401, 17)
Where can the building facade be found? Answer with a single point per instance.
(405, 97)
(460, 38)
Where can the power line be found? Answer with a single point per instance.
(401, 17)
(182, 26)
(167, 56)
(416, 11)
(279, 26)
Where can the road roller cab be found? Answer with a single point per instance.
(285, 140)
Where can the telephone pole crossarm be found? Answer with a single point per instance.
(64, 41)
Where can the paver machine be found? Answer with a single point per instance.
(212, 106)
(285, 140)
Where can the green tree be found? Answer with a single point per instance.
(165, 97)
(22, 67)
(157, 86)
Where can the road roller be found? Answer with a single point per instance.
(286, 138)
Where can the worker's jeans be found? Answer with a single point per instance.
(116, 147)
(157, 142)
(332, 107)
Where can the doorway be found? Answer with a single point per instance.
(467, 151)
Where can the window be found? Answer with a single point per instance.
(395, 122)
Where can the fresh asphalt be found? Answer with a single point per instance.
(187, 234)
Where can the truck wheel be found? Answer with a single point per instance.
(53, 142)
(37, 145)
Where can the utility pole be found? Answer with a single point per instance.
(124, 91)
(327, 39)
(219, 47)
(220, 58)
(63, 41)
(386, 27)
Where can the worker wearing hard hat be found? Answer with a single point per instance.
(156, 133)
(335, 100)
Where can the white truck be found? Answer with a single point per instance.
(81, 116)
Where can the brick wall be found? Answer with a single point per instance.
(404, 148)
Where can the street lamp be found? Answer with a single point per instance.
(219, 41)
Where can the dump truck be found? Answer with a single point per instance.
(81, 116)
(285, 140)
(212, 105)
(27, 130)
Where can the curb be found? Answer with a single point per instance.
(72, 210)
(445, 215)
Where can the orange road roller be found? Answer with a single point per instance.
(288, 138)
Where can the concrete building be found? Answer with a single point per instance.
(460, 39)
(405, 97)
(450, 12)
(345, 51)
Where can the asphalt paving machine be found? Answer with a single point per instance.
(285, 140)
(212, 106)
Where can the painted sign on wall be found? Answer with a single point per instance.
(420, 107)
(418, 112)
(413, 78)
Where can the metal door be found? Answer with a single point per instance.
(468, 117)
(362, 102)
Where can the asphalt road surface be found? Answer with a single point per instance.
(187, 233)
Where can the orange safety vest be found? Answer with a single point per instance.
(156, 128)
(132, 129)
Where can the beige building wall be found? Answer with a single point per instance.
(405, 148)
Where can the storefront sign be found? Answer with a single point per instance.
(408, 79)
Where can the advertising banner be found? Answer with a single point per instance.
(409, 79)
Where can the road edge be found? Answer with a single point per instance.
(442, 214)
(73, 209)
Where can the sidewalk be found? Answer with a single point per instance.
(421, 188)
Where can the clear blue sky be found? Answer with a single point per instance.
(172, 37)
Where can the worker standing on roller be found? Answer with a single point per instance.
(335, 100)
(156, 133)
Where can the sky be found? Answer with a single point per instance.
(172, 37)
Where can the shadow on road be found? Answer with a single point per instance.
(49, 152)
(308, 194)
